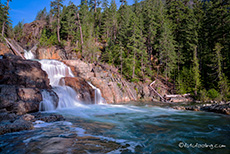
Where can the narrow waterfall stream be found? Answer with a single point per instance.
(28, 54)
(98, 98)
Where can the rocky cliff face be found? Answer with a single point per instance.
(4, 49)
(114, 88)
(51, 53)
(20, 84)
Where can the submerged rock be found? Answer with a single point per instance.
(16, 126)
(223, 108)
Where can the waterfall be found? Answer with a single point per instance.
(98, 98)
(56, 70)
(28, 54)
(68, 97)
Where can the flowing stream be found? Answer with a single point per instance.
(114, 129)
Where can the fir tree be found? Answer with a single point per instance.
(56, 7)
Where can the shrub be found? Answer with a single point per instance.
(213, 94)
(203, 95)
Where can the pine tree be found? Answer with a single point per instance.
(56, 7)
(69, 23)
(42, 15)
(5, 18)
(196, 72)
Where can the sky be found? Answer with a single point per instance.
(26, 10)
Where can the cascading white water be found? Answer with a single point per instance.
(98, 98)
(56, 70)
(46, 104)
(28, 54)
(68, 97)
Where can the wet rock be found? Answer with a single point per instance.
(223, 108)
(47, 117)
(106, 91)
(6, 116)
(193, 108)
(84, 90)
(16, 126)
(21, 107)
(20, 84)
(179, 107)
(29, 94)
(28, 117)
(52, 96)
(8, 96)
(218, 108)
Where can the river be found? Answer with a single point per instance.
(114, 129)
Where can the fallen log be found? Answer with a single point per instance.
(156, 91)
(16, 52)
(175, 96)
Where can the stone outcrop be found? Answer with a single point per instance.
(223, 108)
(21, 84)
(51, 53)
(113, 88)
(23, 73)
(31, 34)
(84, 90)
(4, 49)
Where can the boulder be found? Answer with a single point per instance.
(20, 84)
(29, 94)
(51, 96)
(46, 117)
(218, 108)
(23, 73)
(84, 90)
(80, 68)
(106, 91)
(8, 96)
(16, 126)
(6, 116)
(4, 49)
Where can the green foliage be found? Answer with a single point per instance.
(203, 95)
(18, 31)
(213, 94)
(196, 72)
(42, 15)
(45, 41)
(185, 81)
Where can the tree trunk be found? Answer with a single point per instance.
(134, 63)
(121, 60)
(95, 5)
(3, 25)
(80, 28)
(58, 25)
